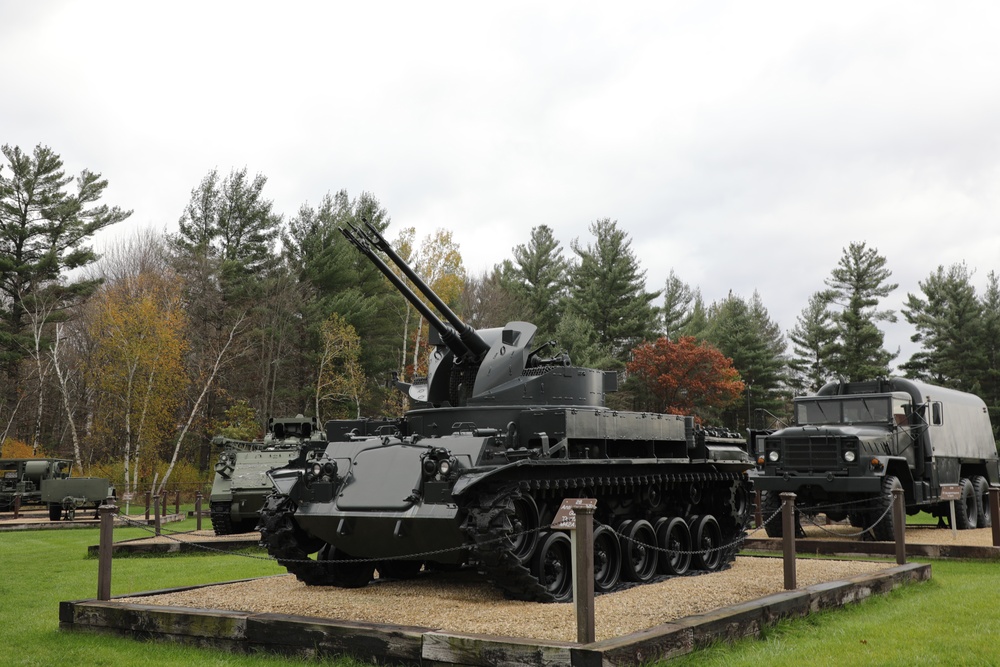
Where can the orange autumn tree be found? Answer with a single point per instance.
(138, 330)
(687, 377)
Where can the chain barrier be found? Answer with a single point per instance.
(865, 503)
(416, 556)
(168, 535)
(879, 520)
(735, 543)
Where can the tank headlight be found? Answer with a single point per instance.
(849, 456)
(444, 467)
(317, 469)
(773, 455)
(430, 466)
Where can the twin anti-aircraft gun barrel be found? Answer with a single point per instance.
(460, 338)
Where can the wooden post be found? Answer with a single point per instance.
(17, 504)
(758, 517)
(177, 502)
(197, 508)
(583, 574)
(788, 538)
(104, 549)
(899, 525)
(995, 514)
(148, 505)
(156, 513)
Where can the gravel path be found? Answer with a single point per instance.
(920, 534)
(463, 602)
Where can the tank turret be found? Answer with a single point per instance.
(470, 367)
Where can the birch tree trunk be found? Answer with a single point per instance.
(64, 390)
(197, 403)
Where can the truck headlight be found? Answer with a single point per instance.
(773, 456)
(849, 456)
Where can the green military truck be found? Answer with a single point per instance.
(23, 477)
(48, 482)
(856, 442)
(241, 483)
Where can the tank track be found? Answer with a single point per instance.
(223, 524)
(222, 520)
(288, 544)
(490, 516)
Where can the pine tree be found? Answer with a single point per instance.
(43, 231)
(539, 272)
(947, 318)
(677, 302)
(812, 340)
(857, 284)
(743, 331)
(607, 289)
(989, 342)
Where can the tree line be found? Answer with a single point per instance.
(132, 361)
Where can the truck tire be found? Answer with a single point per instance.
(965, 507)
(770, 508)
(884, 530)
(982, 489)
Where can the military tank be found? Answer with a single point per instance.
(241, 484)
(476, 473)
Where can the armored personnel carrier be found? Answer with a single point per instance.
(241, 483)
(476, 476)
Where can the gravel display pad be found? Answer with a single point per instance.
(464, 603)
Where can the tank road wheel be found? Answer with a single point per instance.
(55, 511)
(399, 569)
(346, 573)
(552, 566)
(884, 530)
(607, 559)
(674, 537)
(638, 541)
(524, 525)
(707, 540)
(965, 507)
(981, 486)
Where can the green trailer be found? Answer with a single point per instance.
(66, 495)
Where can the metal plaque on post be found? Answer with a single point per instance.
(565, 518)
(951, 492)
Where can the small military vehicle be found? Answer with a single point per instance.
(23, 477)
(64, 496)
(858, 441)
(48, 482)
(475, 475)
(241, 483)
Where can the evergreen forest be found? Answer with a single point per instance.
(131, 361)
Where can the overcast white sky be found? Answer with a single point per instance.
(743, 144)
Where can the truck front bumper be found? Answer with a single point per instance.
(817, 483)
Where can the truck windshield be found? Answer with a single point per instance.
(842, 411)
(866, 410)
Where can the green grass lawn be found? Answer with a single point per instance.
(42, 568)
(952, 619)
